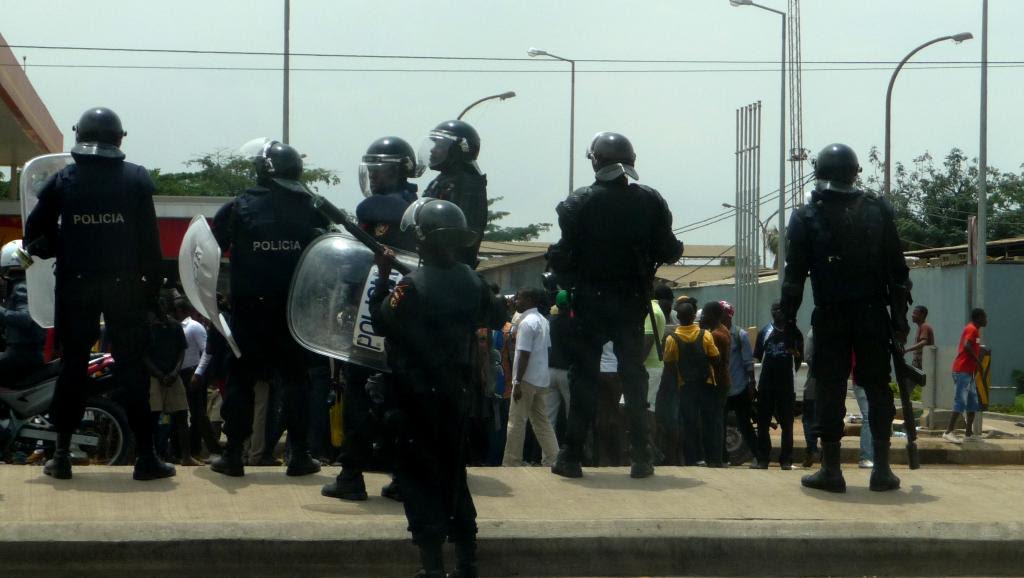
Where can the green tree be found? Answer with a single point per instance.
(495, 232)
(225, 174)
(5, 186)
(933, 200)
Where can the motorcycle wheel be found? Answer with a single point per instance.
(738, 451)
(106, 420)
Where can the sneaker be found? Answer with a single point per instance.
(786, 466)
(567, 468)
(756, 464)
(865, 464)
(951, 438)
(972, 438)
(641, 470)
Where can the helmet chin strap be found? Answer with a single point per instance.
(612, 172)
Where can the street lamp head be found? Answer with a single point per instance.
(505, 95)
(536, 52)
(728, 206)
(962, 36)
(741, 2)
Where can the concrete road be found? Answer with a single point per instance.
(683, 521)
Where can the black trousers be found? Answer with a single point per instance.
(200, 428)
(700, 411)
(603, 316)
(740, 404)
(840, 332)
(16, 364)
(80, 301)
(775, 400)
(268, 352)
(357, 421)
(431, 464)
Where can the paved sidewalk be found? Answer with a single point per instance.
(957, 520)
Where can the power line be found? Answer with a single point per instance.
(699, 267)
(485, 70)
(186, 51)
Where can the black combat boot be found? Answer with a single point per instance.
(432, 560)
(149, 467)
(830, 476)
(300, 463)
(392, 490)
(59, 466)
(349, 485)
(567, 465)
(230, 462)
(882, 478)
(465, 560)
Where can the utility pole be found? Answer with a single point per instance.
(287, 26)
(982, 242)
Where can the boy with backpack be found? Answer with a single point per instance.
(690, 354)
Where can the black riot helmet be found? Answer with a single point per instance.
(388, 161)
(439, 224)
(612, 156)
(281, 164)
(836, 169)
(98, 133)
(451, 142)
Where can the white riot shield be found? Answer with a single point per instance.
(328, 304)
(198, 268)
(39, 276)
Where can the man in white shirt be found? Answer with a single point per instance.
(531, 382)
(195, 338)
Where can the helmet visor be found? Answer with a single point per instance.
(836, 186)
(97, 149)
(376, 177)
(435, 151)
(255, 147)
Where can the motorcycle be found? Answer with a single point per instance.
(102, 438)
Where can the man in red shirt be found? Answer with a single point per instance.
(965, 399)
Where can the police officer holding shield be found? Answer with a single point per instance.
(97, 217)
(266, 228)
(615, 234)
(452, 149)
(383, 177)
(846, 240)
(442, 302)
(24, 339)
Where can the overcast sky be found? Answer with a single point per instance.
(681, 120)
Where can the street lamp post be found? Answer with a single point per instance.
(781, 252)
(762, 225)
(534, 52)
(958, 38)
(502, 96)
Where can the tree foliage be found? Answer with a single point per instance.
(934, 200)
(224, 174)
(495, 232)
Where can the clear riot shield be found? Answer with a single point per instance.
(198, 268)
(328, 304)
(39, 276)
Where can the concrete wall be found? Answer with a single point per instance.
(943, 291)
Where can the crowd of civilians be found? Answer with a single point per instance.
(702, 373)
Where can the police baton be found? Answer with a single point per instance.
(340, 217)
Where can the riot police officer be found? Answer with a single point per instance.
(266, 228)
(452, 148)
(97, 217)
(847, 241)
(383, 176)
(442, 302)
(24, 338)
(615, 234)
